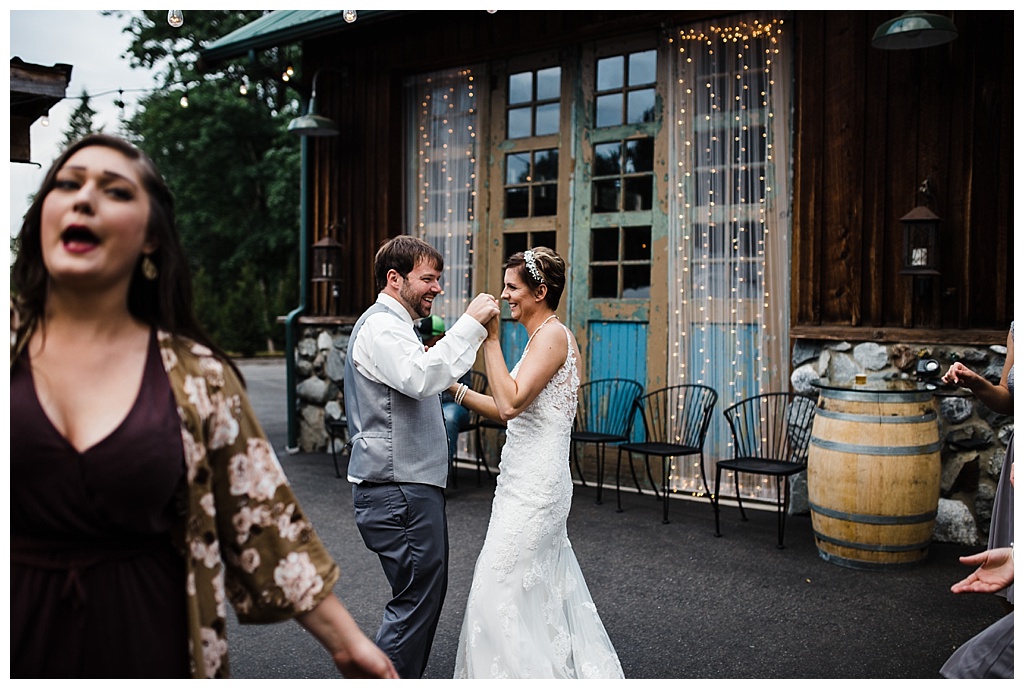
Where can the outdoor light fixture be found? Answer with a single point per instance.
(921, 237)
(914, 29)
(312, 124)
(327, 260)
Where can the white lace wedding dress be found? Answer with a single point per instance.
(529, 613)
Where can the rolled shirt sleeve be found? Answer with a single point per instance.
(388, 351)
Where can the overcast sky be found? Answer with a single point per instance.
(92, 44)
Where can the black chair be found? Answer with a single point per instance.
(477, 383)
(770, 435)
(604, 415)
(337, 429)
(676, 421)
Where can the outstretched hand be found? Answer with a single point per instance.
(364, 660)
(483, 308)
(961, 376)
(994, 573)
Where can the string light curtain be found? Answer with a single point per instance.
(442, 126)
(729, 222)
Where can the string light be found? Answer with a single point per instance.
(350, 16)
(175, 18)
(720, 219)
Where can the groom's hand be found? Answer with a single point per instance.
(483, 308)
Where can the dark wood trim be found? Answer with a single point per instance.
(922, 335)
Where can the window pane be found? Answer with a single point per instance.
(639, 194)
(547, 119)
(517, 202)
(545, 198)
(609, 73)
(545, 165)
(517, 168)
(604, 282)
(636, 282)
(519, 122)
(640, 155)
(604, 244)
(609, 110)
(515, 242)
(606, 158)
(520, 87)
(641, 106)
(636, 244)
(606, 196)
(549, 83)
(643, 68)
(544, 239)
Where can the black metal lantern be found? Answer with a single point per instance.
(920, 242)
(327, 260)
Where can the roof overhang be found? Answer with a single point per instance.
(34, 90)
(282, 27)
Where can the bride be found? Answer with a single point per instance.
(529, 613)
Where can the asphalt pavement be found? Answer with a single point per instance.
(678, 603)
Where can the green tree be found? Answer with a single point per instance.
(228, 159)
(81, 122)
(244, 325)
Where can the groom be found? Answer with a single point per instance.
(399, 460)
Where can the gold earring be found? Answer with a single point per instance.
(149, 269)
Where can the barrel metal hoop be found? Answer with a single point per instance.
(878, 397)
(865, 418)
(850, 448)
(871, 566)
(874, 518)
(875, 548)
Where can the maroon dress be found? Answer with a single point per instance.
(97, 589)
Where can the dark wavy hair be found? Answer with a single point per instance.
(402, 253)
(551, 268)
(164, 303)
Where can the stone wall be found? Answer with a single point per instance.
(319, 374)
(973, 437)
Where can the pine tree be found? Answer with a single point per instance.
(81, 122)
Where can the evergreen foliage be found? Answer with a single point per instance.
(231, 164)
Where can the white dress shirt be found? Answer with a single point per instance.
(388, 351)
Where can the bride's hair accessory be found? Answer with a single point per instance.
(531, 265)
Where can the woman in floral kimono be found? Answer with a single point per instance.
(144, 494)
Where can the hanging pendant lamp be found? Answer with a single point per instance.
(914, 29)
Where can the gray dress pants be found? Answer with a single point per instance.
(406, 525)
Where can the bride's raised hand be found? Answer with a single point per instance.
(494, 327)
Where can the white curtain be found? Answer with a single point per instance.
(729, 224)
(442, 177)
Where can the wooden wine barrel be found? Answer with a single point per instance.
(873, 475)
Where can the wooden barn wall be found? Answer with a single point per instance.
(359, 173)
(869, 126)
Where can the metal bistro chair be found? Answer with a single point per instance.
(477, 383)
(337, 429)
(770, 434)
(676, 420)
(604, 415)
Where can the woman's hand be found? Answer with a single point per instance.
(961, 376)
(353, 653)
(994, 573)
(494, 327)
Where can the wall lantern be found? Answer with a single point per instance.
(327, 260)
(921, 238)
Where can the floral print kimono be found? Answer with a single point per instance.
(244, 537)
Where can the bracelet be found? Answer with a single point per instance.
(460, 394)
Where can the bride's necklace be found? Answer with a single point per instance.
(538, 330)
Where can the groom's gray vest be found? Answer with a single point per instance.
(395, 438)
